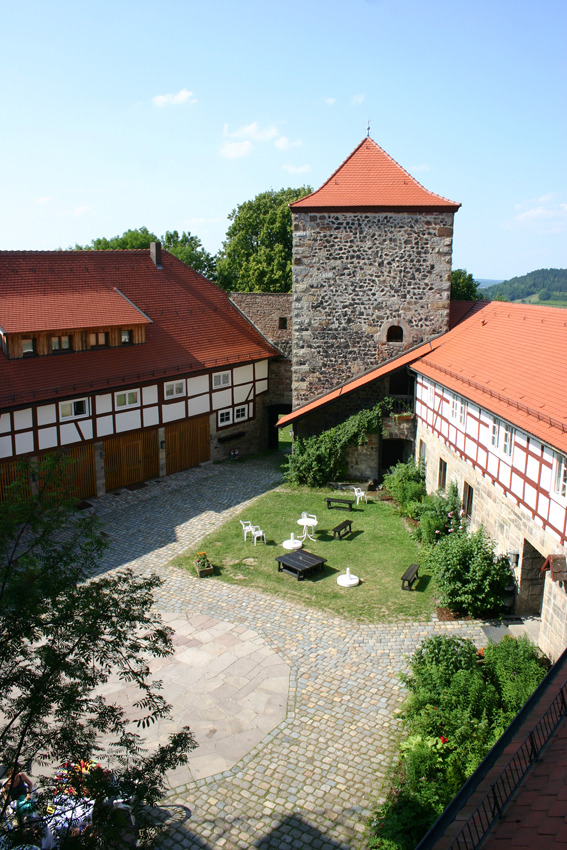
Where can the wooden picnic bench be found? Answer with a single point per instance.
(349, 502)
(410, 576)
(341, 530)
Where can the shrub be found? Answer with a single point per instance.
(469, 576)
(440, 514)
(458, 706)
(317, 460)
(406, 484)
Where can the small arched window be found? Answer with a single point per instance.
(395, 334)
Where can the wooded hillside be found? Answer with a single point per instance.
(552, 281)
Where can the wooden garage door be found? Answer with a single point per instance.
(187, 444)
(9, 472)
(131, 458)
(80, 472)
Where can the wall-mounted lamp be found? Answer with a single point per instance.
(514, 558)
(162, 444)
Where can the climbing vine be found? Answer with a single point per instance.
(322, 458)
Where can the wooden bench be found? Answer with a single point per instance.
(349, 502)
(341, 530)
(410, 576)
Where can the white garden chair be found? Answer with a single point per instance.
(258, 533)
(360, 494)
(246, 527)
(308, 521)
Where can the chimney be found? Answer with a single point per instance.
(155, 254)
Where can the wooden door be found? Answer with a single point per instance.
(78, 473)
(9, 472)
(187, 444)
(131, 458)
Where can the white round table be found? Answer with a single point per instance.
(308, 524)
(293, 543)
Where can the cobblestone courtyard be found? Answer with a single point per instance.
(313, 779)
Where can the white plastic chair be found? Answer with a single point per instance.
(360, 494)
(306, 526)
(258, 533)
(246, 527)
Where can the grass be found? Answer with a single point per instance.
(284, 435)
(378, 552)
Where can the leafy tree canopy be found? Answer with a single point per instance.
(554, 281)
(63, 634)
(464, 287)
(256, 255)
(186, 247)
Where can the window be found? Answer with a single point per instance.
(98, 339)
(221, 379)
(461, 411)
(131, 398)
(60, 343)
(442, 477)
(507, 441)
(125, 337)
(422, 455)
(28, 347)
(431, 395)
(454, 406)
(395, 334)
(282, 323)
(495, 431)
(501, 436)
(468, 494)
(241, 413)
(560, 485)
(73, 409)
(225, 417)
(175, 388)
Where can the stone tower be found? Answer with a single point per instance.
(371, 270)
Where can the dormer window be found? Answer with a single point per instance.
(60, 343)
(126, 337)
(98, 340)
(27, 347)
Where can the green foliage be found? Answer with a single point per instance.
(256, 255)
(63, 633)
(458, 706)
(317, 460)
(544, 295)
(186, 247)
(438, 515)
(406, 484)
(552, 280)
(464, 287)
(469, 576)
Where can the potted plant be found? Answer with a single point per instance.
(203, 566)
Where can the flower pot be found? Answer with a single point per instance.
(204, 571)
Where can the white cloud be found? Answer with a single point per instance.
(542, 217)
(423, 167)
(232, 150)
(80, 211)
(330, 101)
(284, 144)
(43, 200)
(183, 96)
(252, 131)
(297, 169)
(357, 99)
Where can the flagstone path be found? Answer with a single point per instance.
(296, 711)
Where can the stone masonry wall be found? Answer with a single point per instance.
(255, 437)
(265, 309)
(354, 276)
(510, 527)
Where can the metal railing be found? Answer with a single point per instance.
(402, 404)
(491, 805)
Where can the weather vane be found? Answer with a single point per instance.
(368, 129)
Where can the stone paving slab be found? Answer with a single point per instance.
(313, 779)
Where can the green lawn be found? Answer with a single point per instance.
(378, 551)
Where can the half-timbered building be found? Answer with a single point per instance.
(129, 361)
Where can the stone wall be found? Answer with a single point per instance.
(279, 384)
(511, 528)
(354, 276)
(255, 430)
(266, 310)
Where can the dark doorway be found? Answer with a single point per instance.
(530, 594)
(274, 413)
(393, 452)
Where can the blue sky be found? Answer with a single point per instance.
(121, 114)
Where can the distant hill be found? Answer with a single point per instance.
(553, 281)
(485, 281)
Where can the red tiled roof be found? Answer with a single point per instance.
(23, 313)
(460, 310)
(195, 326)
(370, 179)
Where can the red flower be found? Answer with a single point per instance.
(444, 740)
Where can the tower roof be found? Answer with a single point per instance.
(369, 179)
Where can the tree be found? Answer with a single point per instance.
(186, 247)
(63, 633)
(464, 287)
(256, 255)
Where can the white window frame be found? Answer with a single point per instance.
(227, 411)
(560, 475)
(175, 385)
(128, 405)
(502, 437)
(28, 339)
(454, 406)
(222, 383)
(462, 411)
(507, 439)
(243, 407)
(495, 432)
(431, 395)
(74, 401)
(130, 335)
